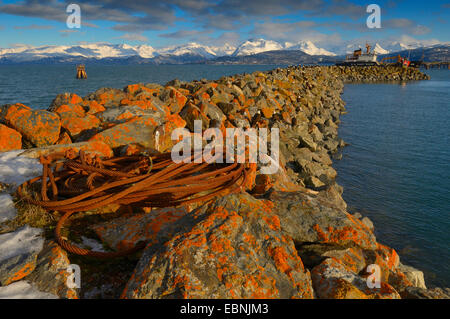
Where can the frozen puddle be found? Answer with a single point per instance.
(23, 290)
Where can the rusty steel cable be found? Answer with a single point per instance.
(73, 183)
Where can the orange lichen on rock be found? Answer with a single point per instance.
(223, 255)
(10, 139)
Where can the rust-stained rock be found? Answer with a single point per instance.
(230, 248)
(51, 272)
(10, 139)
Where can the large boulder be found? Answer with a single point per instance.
(40, 127)
(308, 218)
(9, 139)
(139, 131)
(232, 247)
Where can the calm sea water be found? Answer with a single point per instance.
(396, 170)
(37, 85)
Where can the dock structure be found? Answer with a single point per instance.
(81, 72)
(436, 65)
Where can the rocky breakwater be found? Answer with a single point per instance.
(290, 236)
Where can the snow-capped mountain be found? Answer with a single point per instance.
(224, 50)
(96, 51)
(185, 53)
(189, 48)
(379, 50)
(308, 47)
(254, 46)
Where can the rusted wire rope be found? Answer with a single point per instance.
(80, 183)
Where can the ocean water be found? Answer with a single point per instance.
(37, 85)
(396, 170)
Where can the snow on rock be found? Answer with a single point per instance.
(92, 244)
(15, 169)
(26, 240)
(23, 290)
(18, 253)
(7, 209)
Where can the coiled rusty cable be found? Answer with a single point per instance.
(80, 183)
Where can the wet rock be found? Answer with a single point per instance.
(9, 139)
(230, 248)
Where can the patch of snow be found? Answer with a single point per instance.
(26, 240)
(92, 244)
(7, 209)
(23, 290)
(16, 169)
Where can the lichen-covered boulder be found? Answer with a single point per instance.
(9, 139)
(307, 218)
(232, 247)
(128, 231)
(64, 99)
(40, 127)
(139, 130)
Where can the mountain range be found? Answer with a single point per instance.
(253, 51)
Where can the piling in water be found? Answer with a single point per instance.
(81, 72)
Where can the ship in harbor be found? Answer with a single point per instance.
(360, 58)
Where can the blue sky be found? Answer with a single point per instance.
(328, 23)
